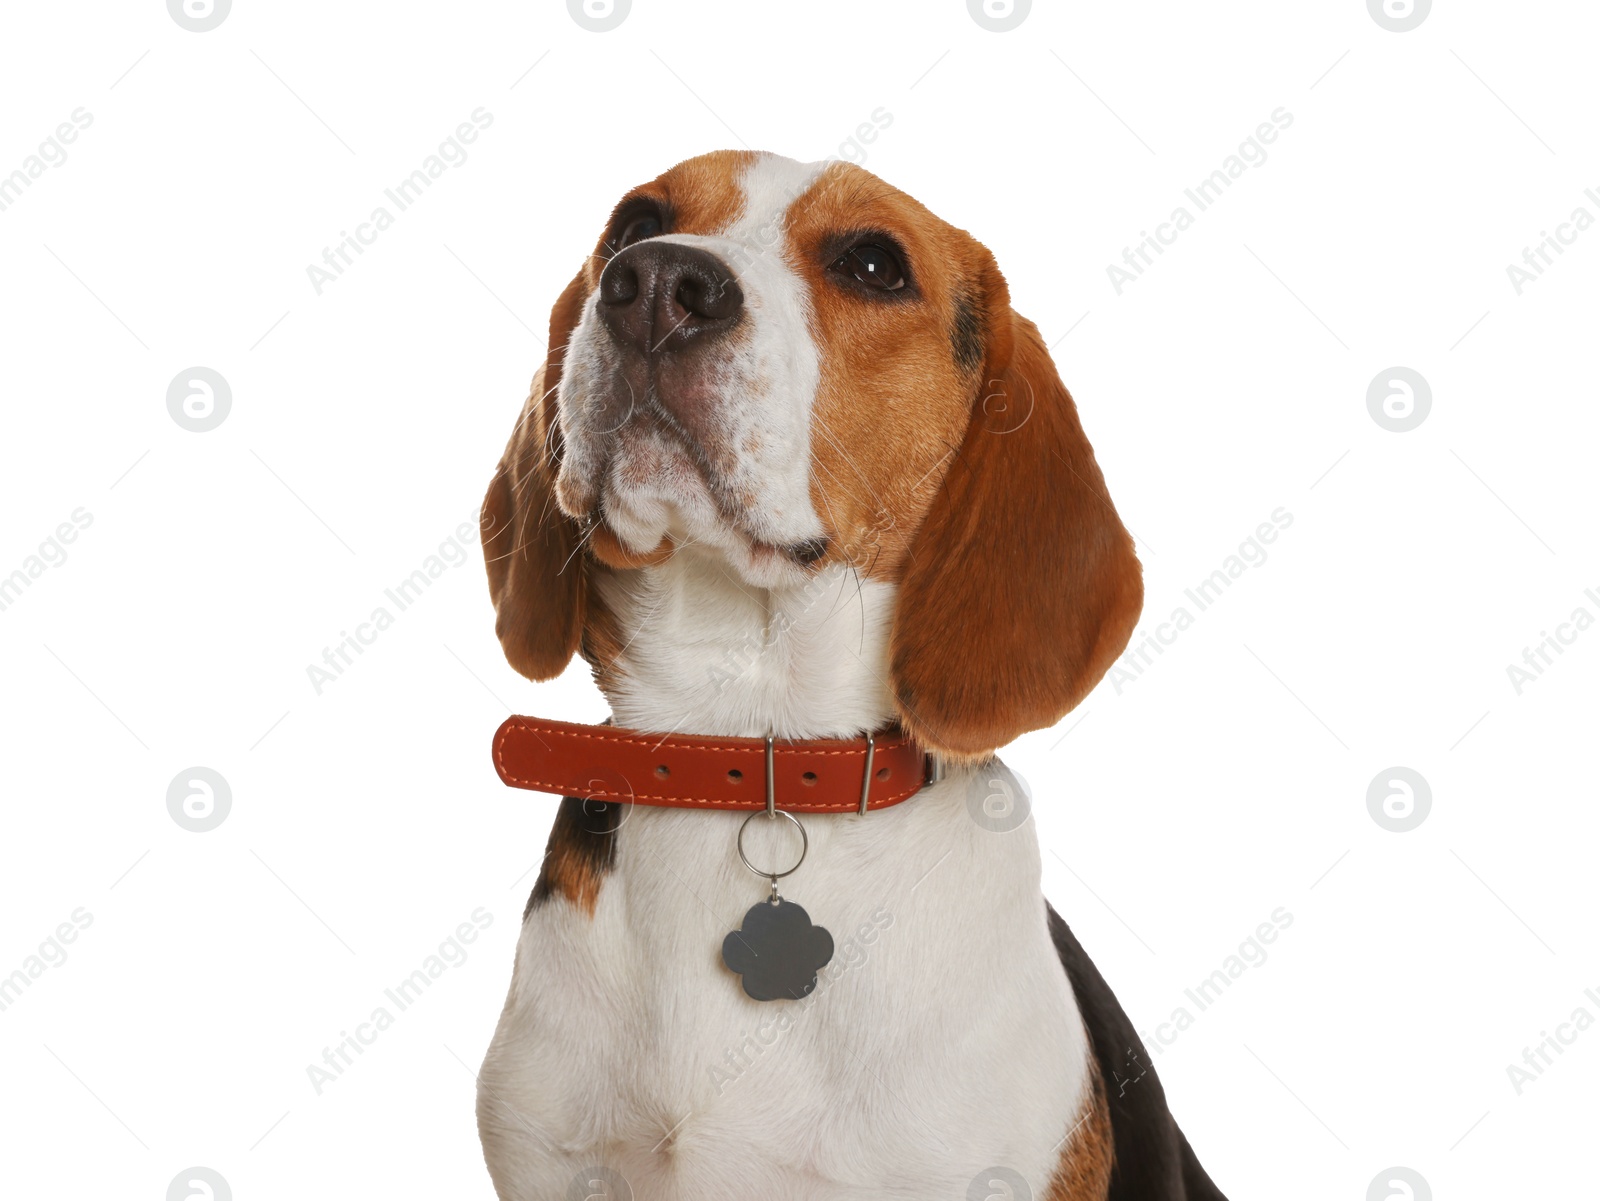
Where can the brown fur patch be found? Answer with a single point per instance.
(1084, 1171)
(607, 547)
(701, 193)
(603, 639)
(580, 854)
(892, 401)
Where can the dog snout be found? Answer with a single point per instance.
(658, 295)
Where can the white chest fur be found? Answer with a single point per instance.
(942, 1040)
(709, 654)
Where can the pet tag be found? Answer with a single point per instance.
(777, 952)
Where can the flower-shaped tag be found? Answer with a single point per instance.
(777, 951)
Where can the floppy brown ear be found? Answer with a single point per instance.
(530, 547)
(1022, 585)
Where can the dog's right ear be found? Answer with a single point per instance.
(1022, 586)
(530, 547)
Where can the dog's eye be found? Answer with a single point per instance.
(645, 225)
(874, 266)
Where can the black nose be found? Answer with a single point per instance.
(658, 294)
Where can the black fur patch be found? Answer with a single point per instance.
(967, 334)
(1153, 1160)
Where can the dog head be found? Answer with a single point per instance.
(799, 366)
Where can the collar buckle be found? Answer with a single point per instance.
(772, 788)
(866, 774)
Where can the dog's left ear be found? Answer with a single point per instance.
(537, 577)
(1022, 585)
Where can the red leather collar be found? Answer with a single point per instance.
(609, 763)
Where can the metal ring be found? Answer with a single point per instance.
(805, 845)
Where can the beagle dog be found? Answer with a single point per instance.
(794, 467)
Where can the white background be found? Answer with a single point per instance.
(1228, 780)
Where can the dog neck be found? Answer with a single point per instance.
(703, 652)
